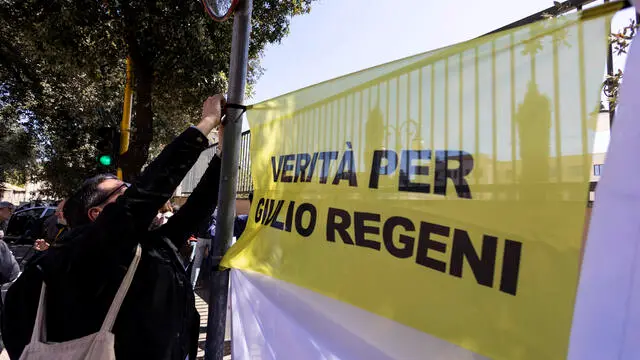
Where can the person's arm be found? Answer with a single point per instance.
(159, 180)
(15, 267)
(200, 204)
(198, 207)
(10, 269)
(113, 236)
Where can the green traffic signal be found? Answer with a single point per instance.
(108, 146)
(105, 160)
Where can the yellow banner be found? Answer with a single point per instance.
(445, 191)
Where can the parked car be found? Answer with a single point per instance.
(26, 225)
(35, 203)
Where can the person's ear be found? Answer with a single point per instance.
(93, 213)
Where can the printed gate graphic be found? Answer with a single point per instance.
(445, 191)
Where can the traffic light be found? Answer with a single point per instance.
(108, 147)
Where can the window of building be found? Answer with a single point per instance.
(597, 169)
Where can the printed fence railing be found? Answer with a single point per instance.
(481, 99)
(416, 104)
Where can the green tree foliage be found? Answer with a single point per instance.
(620, 42)
(62, 67)
(17, 151)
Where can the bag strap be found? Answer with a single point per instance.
(107, 325)
(39, 327)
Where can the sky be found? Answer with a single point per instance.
(339, 37)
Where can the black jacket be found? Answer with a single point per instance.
(158, 319)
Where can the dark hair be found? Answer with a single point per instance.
(250, 196)
(76, 208)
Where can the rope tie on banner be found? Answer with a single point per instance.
(244, 109)
(224, 121)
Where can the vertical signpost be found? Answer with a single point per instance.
(221, 10)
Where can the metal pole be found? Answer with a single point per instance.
(125, 124)
(219, 287)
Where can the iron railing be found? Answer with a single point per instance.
(244, 175)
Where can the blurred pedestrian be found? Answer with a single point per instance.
(109, 222)
(54, 227)
(240, 222)
(9, 271)
(56, 224)
(206, 234)
(202, 245)
(6, 210)
(9, 268)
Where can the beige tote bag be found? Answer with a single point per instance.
(98, 346)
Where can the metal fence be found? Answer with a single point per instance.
(244, 171)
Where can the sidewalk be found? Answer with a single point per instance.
(203, 309)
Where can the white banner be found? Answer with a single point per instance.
(606, 322)
(273, 320)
